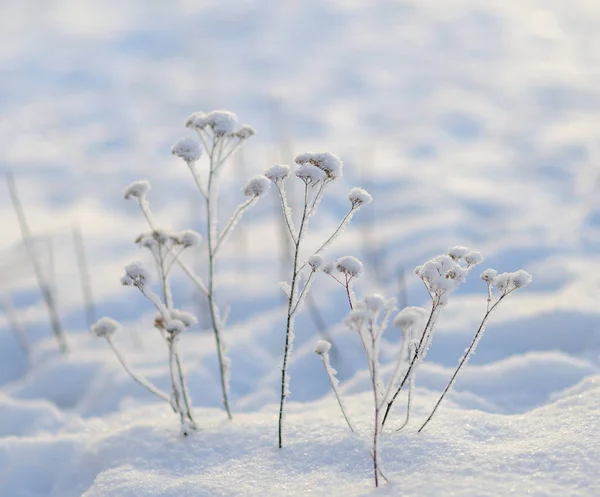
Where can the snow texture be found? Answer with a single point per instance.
(187, 149)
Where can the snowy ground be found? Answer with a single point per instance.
(471, 123)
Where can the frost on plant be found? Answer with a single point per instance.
(316, 170)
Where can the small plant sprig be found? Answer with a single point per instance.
(316, 171)
(220, 137)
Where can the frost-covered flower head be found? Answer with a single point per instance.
(442, 275)
(457, 253)
(411, 317)
(187, 318)
(187, 149)
(105, 327)
(190, 238)
(322, 347)
(137, 189)
(245, 131)
(349, 265)
(375, 302)
(257, 186)
(310, 174)
(222, 122)
(357, 318)
(278, 173)
(473, 258)
(315, 261)
(329, 267)
(327, 162)
(489, 276)
(175, 327)
(508, 282)
(155, 239)
(136, 275)
(359, 197)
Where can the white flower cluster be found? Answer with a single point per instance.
(411, 317)
(349, 265)
(327, 162)
(222, 122)
(359, 197)
(310, 174)
(105, 327)
(506, 282)
(137, 189)
(315, 261)
(187, 149)
(136, 275)
(367, 310)
(257, 186)
(278, 173)
(322, 347)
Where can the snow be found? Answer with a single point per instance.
(473, 124)
(187, 149)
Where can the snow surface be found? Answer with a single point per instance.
(470, 123)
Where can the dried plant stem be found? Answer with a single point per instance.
(139, 379)
(333, 382)
(44, 285)
(465, 357)
(7, 306)
(84, 276)
(290, 315)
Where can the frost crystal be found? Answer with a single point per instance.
(315, 261)
(137, 189)
(329, 163)
(190, 238)
(349, 266)
(135, 275)
(105, 327)
(473, 258)
(277, 173)
(322, 347)
(187, 318)
(458, 253)
(359, 197)
(310, 174)
(257, 186)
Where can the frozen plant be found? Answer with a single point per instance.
(504, 284)
(441, 276)
(220, 136)
(316, 171)
(369, 319)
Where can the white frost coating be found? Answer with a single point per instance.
(257, 186)
(222, 122)
(503, 282)
(310, 174)
(473, 258)
(489, 275)
(521, 278)
(349, 265)
(137, 189)
(175, 327)
(136, 274)
(187, 149)
(106, 327)
(278, 172)
(245, 131)
(187, 318)
(315, 261)
(375, 302)
(286, 288)
(329, 163)
(359, 197)
(410, 317)
(322, 347)
(442, 275)
(458, 252)
(190, 238)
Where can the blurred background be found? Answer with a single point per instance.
(471, 123)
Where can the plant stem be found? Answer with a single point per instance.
(328, 370)
(290, 314)
(464, 358)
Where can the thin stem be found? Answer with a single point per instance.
(234, 219)
(7, 306)
(328, 370)
(139, 379)
(408, 402)
(197, 178)
(286, 211)
(411, 366)
(84, 276)
(336, 232)
(303, 292)
(290, 314)
(464, 358)
(195, 279)
(175, 386)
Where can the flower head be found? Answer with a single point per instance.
(349, 265)
(359, 197)
(137, 189)
(106, 327)
(175, 327)
(278, 172)
(257, 186)
(327, 162)
(187, 148)
(187, 318)
(410, 317)
(310, 174)
(222, 122)
(245, 131)
(489, 275)
(322, 347)
(473, 258)
(315, 261)
(457, 253)
(136, 275)
(190, 238)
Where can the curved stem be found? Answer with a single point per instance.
(233, 220)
